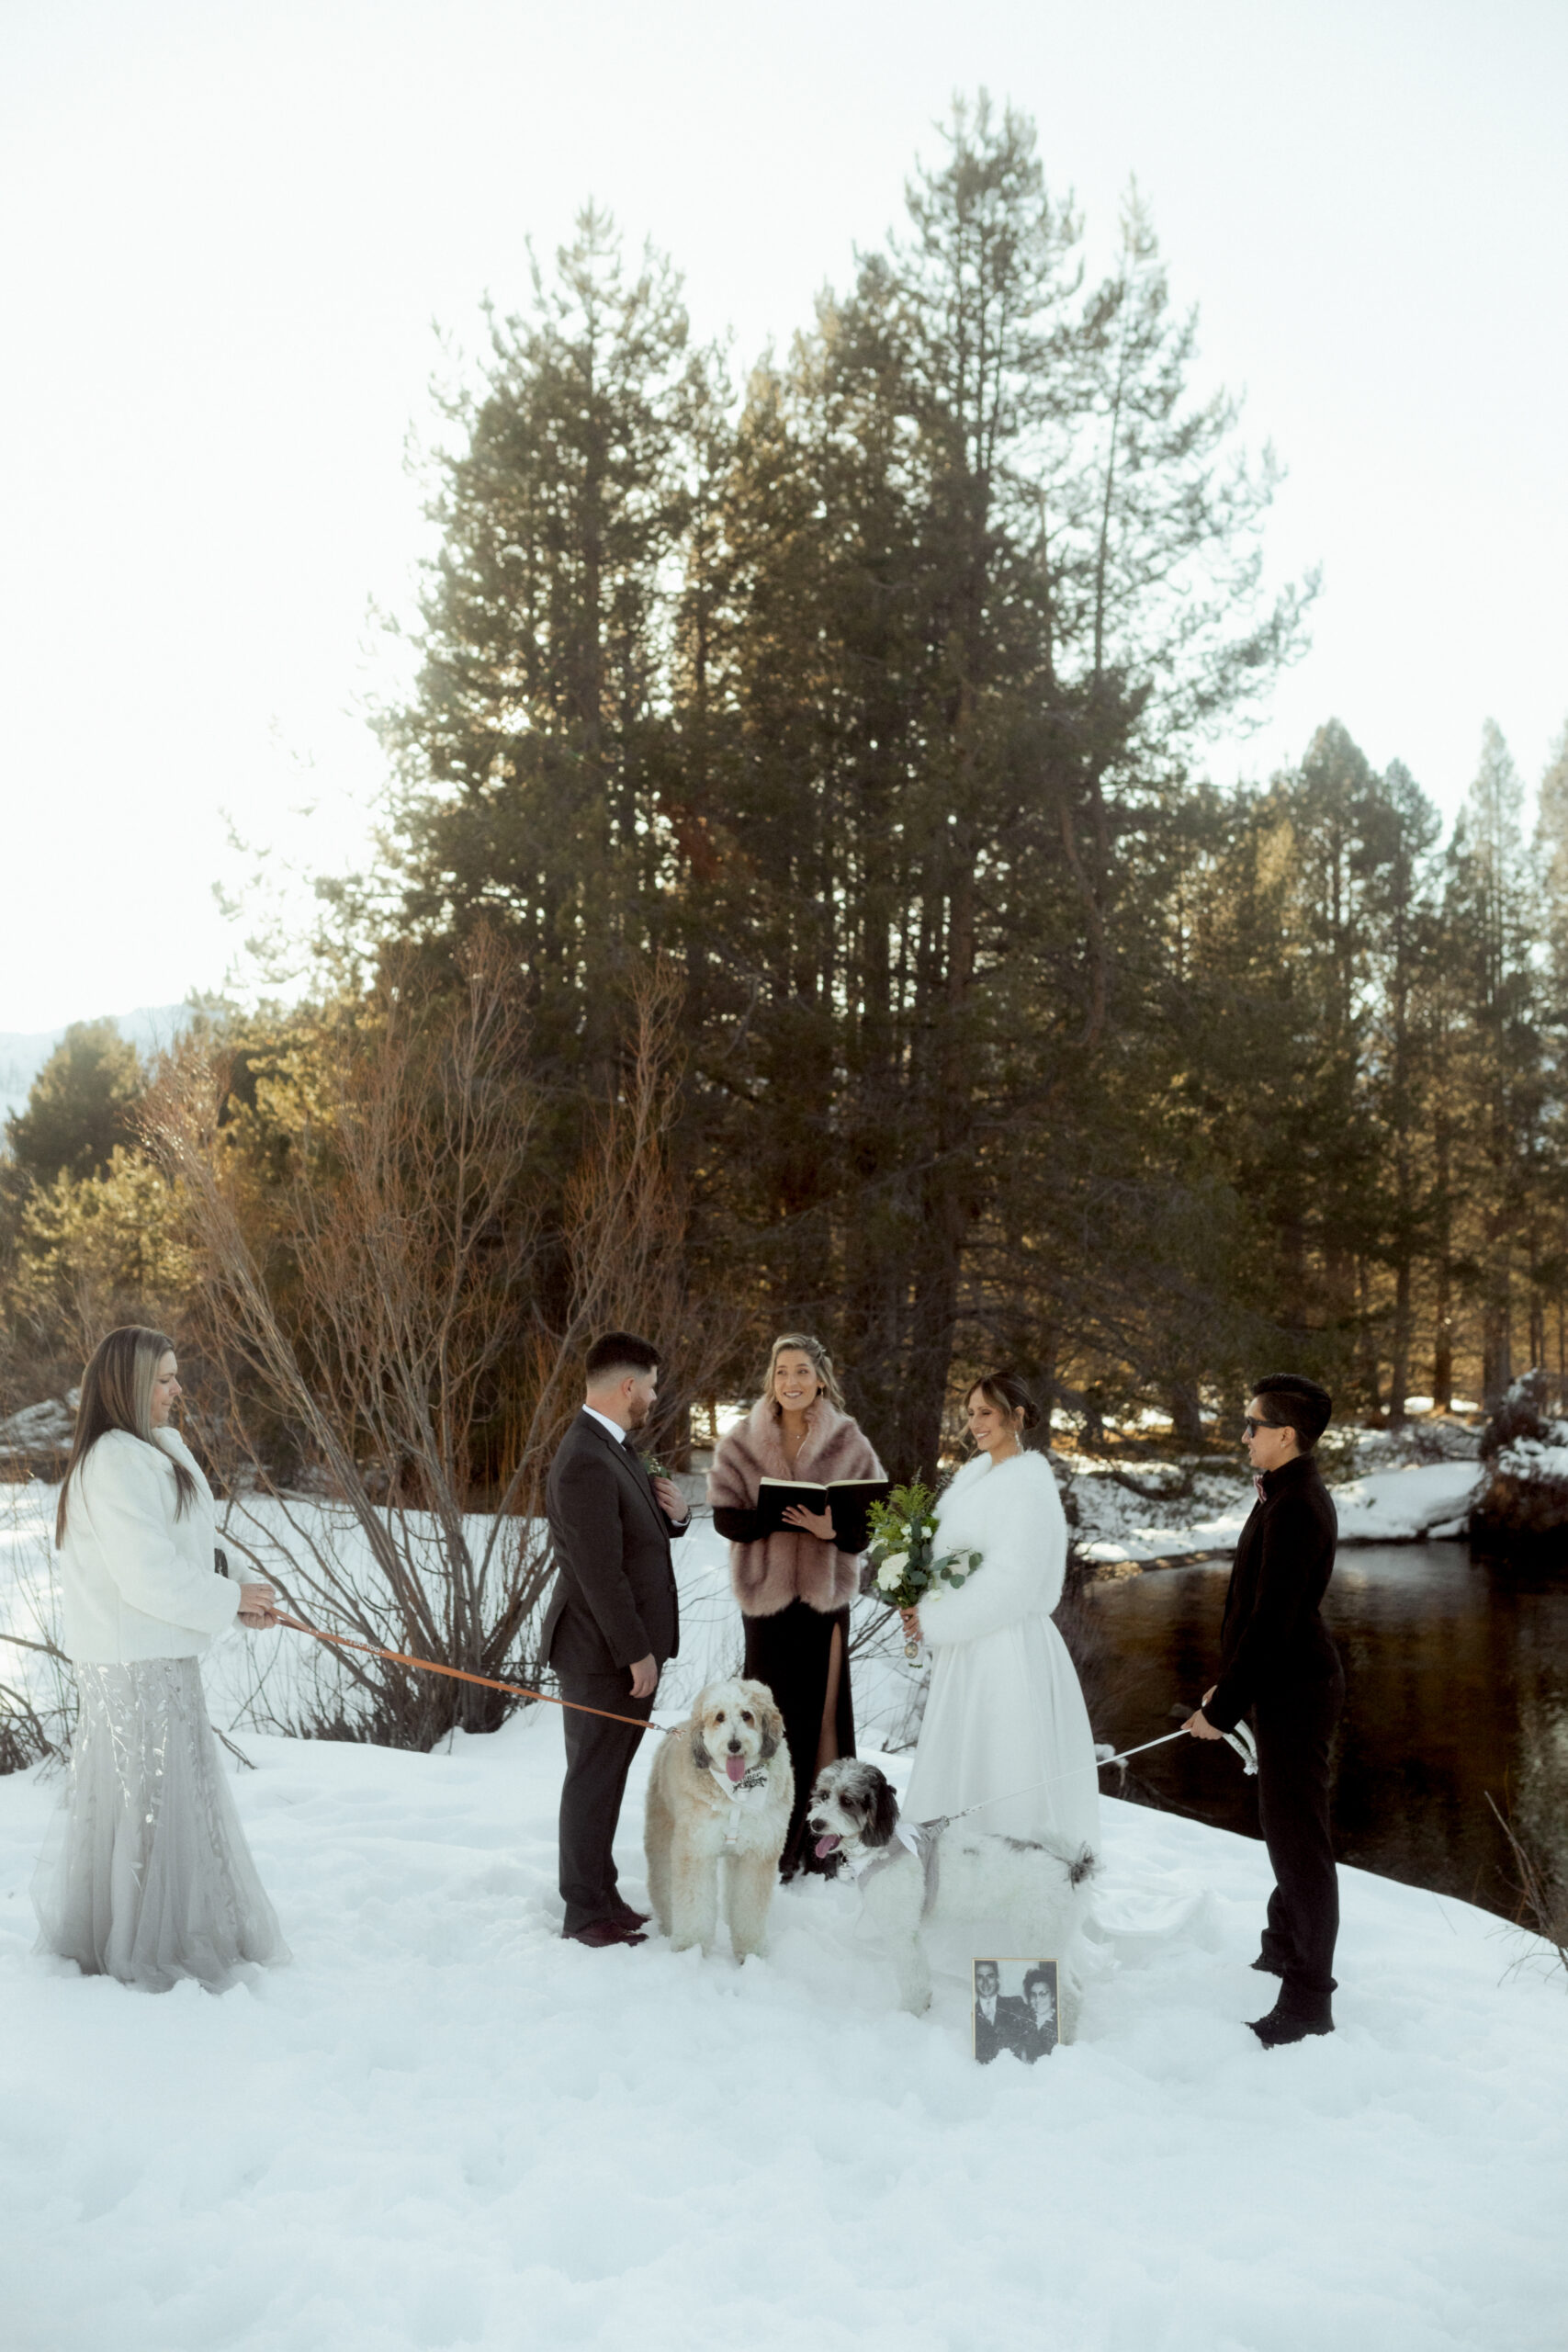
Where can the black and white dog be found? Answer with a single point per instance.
(939, 1871)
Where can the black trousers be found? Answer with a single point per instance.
(791, 1651)
(598, 1758)
(1294, 1730)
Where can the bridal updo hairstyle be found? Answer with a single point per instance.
(821, 1364)
(116, 1393)
(1009, 1395)
(1297, 1403)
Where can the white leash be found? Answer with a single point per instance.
(1241, 1739)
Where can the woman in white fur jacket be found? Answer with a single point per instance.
(1005, 1717)
(794, 1586)
(146, 1875)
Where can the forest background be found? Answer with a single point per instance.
(802, 903)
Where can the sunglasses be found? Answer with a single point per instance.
(1252, 1427)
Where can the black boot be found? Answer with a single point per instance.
(1294, 2021)
(1269, 1967)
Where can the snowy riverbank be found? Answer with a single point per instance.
(441, 2126)
(1380, 1505)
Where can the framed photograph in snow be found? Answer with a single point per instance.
(1014, 2008)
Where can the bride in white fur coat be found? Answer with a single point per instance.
(1006, 1714)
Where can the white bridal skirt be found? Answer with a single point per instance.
(1006, 1729)
(146, 1873)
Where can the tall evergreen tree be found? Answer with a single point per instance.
(880, 716)
(1549, 1289)
(77, 1108)
(1499, 1073)
(534, 749)
(1406, 953)
(954, 722)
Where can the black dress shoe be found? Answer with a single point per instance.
(599, 1933)
(630, 1919)
(1283, 2025)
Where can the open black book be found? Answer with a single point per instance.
(848, 1500)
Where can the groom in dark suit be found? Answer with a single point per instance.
(613, 1621)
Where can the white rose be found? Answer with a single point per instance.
(891, 1570)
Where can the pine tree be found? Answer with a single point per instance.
(533, 750)
(1406, 953)
(1550, 1289)
(953, 724)
(885, 730)
(1490, 939)
(77, 1105)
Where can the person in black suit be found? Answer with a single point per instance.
(612, 1622)
(1000, 2018)
(1277, 1662)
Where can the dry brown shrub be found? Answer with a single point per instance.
(393, 1310)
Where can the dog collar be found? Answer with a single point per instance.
(917, 1839)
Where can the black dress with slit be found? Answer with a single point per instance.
(791, 1652)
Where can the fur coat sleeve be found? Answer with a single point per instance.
(768, 1575)
(1011, 1514)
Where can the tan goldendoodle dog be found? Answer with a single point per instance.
(720, 1793)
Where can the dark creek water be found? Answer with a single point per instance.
(1457, 1677)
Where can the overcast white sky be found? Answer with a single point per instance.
(228, 226)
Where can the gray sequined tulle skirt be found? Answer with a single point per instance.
(145, 1874)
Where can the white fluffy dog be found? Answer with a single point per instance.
(720, 1791)
(944, 1872)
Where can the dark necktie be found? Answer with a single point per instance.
(629, 1446)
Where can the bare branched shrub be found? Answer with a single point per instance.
(1541, 1898)
(397, 1319)
(625, 1230)
(37, 1693)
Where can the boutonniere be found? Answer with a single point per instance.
(652, 1464)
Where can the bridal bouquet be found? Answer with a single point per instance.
(902, 1556)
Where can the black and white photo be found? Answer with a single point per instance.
(1014, 2008)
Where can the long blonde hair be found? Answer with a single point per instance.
(116, 1393)
(821, 1364)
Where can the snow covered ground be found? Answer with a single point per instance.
(442, 2126)
(1529, 1458)
(1391, 1506)
(280, 1686)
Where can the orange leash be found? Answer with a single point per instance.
(456, 1674)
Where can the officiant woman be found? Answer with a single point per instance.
(794, 1586)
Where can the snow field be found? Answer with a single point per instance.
(292, 1681)
(1378, 1507)
(443, 2126)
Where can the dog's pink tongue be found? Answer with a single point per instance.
(825, 1846)
(735, 1767)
